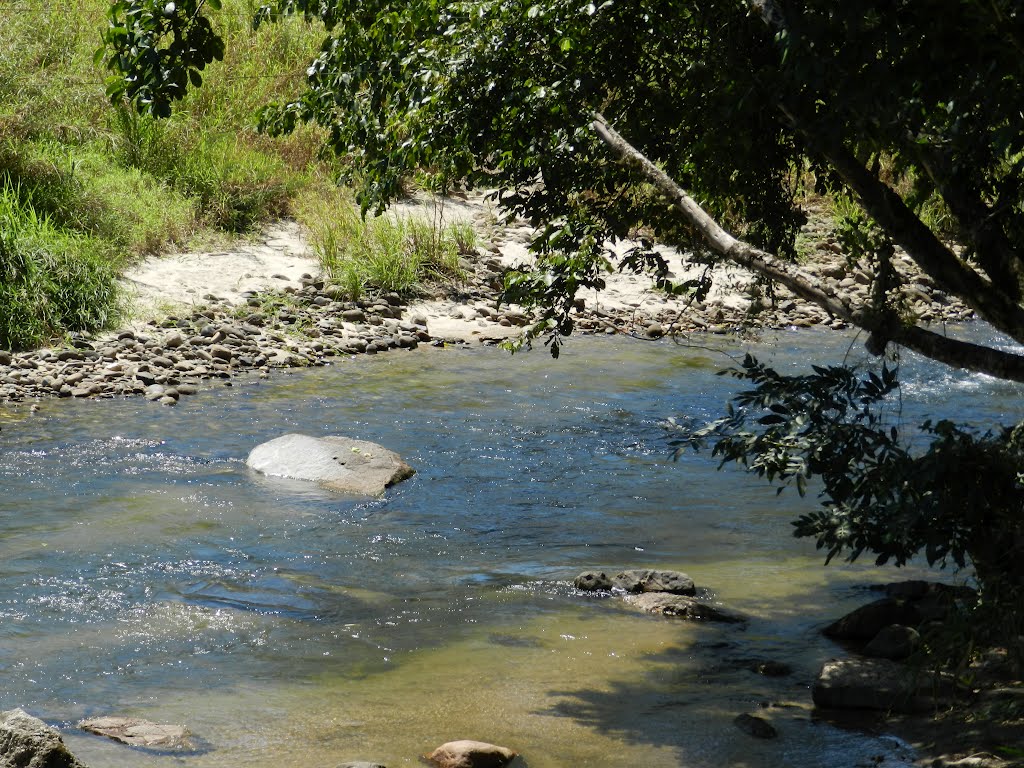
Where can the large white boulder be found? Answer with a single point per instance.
(335, 463)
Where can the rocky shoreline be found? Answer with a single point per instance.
(309, 322)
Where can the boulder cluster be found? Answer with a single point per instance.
(315, 323)
(674, 594)
(666, 593)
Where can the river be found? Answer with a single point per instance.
(145, 571)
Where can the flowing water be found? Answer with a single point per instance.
(145, 571)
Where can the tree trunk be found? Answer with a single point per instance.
(953, 352)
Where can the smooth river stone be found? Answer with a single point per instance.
(335, 463)
(466, 753)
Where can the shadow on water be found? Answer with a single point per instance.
(690, 693)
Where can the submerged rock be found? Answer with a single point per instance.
(139, 733)
(28, 742)
(466, 753)
(755, 726)
(335, 463)
(683, 607)
(767, 667)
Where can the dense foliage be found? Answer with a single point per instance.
(87, 187)
(166, 45)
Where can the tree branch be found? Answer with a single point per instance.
(959, 354)
(996, 253)
(899, 222)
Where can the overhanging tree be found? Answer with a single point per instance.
(693, 124)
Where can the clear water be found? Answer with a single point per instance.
(145, 571)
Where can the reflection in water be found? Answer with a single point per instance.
(146, 571)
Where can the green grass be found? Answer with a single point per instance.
(51, 280)
(384, 253)
(76, 170)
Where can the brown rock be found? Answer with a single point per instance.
(646, 580)
(138, 732)
(683, 607)
(591, 581)
(218, 352)
(471, 754)
(877, 684)
(893, 642)
(867, 621)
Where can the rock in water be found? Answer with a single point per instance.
(335, 463)
(138, 733)
(683, 607)
(867, 621)
(471, 754)
(894, 642)
(592, 581)
(28, 742)
(674, 582)
(756, 726)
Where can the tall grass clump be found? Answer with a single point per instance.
(84, 190)
(400, 253)
(52, 281)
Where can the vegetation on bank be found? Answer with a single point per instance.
(392, 253)
(87, 187)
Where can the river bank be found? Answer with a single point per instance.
(207, 316)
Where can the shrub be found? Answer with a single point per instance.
(389, 253)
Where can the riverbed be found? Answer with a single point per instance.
(145, 571)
